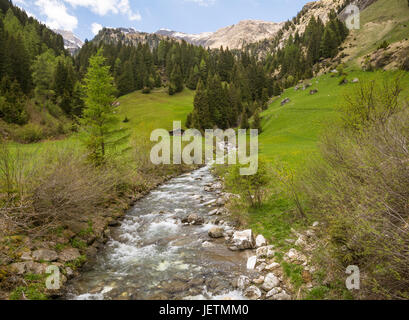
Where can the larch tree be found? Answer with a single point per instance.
(99, 121)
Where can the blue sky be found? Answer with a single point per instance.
(86, 17)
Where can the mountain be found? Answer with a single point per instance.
(234, 37)
(128, 36)
(71, 42)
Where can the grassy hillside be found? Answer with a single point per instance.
(156, 110)
(384, 20)
(291, 132)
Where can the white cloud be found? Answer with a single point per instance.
(203, 3)
(96, 27)
(56, 14)
(103, 7)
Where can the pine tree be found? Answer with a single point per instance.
(200, 118)
(244, 124)
(257, 121)
(99, 121)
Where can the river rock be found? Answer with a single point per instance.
(70, 254)
(253, 293)
(214, 212)
(265, 252)
(216, 232)
(243, 282)
(220, 202)
(273, 266)
(251, 263)
(278, 294)
(45, 255)
(244, 239)
(259, 280)
(207, 244)
(260, 241)
(195, 219)
(261, 267)
(270, 282)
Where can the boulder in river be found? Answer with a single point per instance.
(253, 293)
(195, 219)
(244, 239)
(216, 232)
(243, 282)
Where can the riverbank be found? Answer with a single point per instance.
(69, 245)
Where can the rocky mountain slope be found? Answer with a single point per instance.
(234, 37)
(128, 36)
(318, 9)
(71, 42)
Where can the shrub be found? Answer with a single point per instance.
(361, 190)
(29, 133)
(252, 189)
(383, 45)
(146, 90)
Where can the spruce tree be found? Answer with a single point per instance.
(244, 124)
(201, 114)
(257, 121)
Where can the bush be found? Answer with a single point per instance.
(252, 189)
(59, 186)
(29, 133)
(146, 90)
(383, 45)
(361, 190)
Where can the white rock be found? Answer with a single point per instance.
(220, 202)
(243, 239)
(260, 241)
(253, 293)
(216, 232)
(243, 282)
(213, 212)
(207, 244)
(300, 242)
(273, 266)
(315, 224)
(295, 257)
(265, 252)
(259, 280)
(270, 282)
(261, 267)
(273, 292)
(251, 263)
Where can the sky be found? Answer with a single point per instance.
(86, 17)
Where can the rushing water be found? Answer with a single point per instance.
(152, 255)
